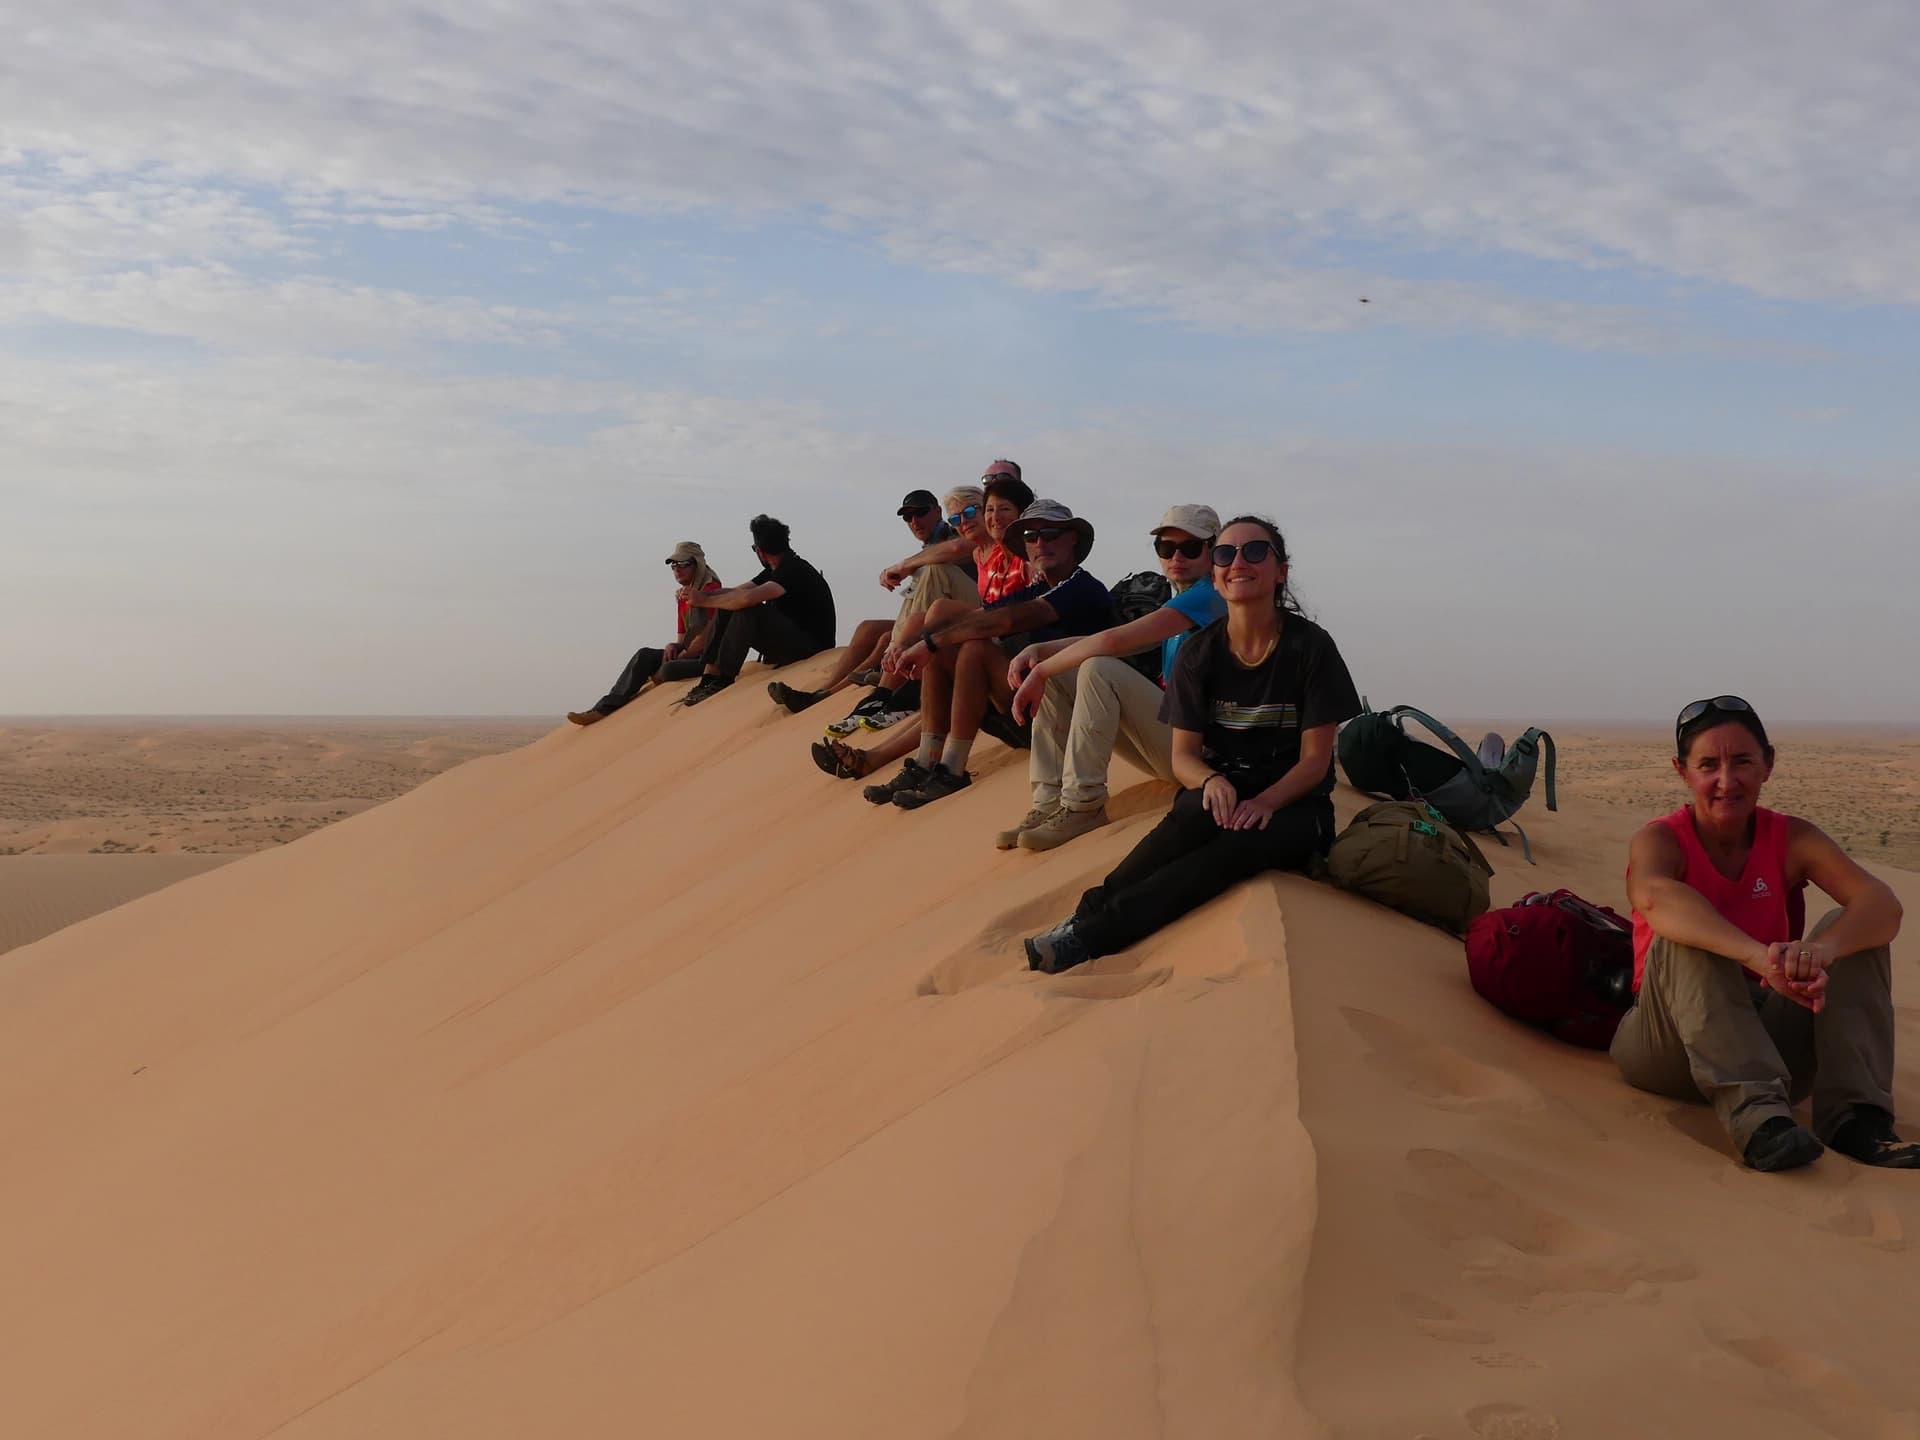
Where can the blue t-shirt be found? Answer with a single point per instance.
(1081, 606)
(1202, 605)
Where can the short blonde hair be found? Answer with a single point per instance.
(964, 495)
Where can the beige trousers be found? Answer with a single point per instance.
(1697, 1033)
(1086, 717)
(936, 582)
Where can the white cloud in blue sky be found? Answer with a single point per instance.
(367, 357)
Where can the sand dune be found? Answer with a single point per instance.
(645, 1081)
(40, 894)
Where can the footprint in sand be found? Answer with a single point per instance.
(1442, 1077)
(1511, 1422)
(1440, 1321)
(1868, 1217)
(1813, 1387)
(1518, 1250)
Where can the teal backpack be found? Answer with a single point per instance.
(1474, 789)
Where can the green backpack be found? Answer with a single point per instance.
(1405, 855)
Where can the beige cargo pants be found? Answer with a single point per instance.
(1697, 1033)
(1086, 717)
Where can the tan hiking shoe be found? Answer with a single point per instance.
(1061, 826)
(1010, 839)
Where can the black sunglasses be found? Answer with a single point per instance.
(964, 513)
(914, 512)
(1166, 549)
(1253, 552)
(1729, 704)
(1045, 536)
(676, 564)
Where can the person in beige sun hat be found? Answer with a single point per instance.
(680, 658)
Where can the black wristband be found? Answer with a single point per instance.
(927, 640)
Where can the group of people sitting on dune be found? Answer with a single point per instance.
(1001, 629)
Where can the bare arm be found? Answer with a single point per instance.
(1657, 888)
(956, 551)
(1189, 766)
(738, 597)
(1870, 912)
(1131, 638)
(990, 624)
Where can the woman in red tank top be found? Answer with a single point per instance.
(1736, 1003)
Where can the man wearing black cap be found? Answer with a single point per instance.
(941, 569)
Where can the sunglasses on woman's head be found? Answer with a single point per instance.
(965, 513)
(1730, 704)
(1253, 552)
(1166, 549)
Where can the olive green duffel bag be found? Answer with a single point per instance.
(1404, 854)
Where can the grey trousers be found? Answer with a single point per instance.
(1698, 1033)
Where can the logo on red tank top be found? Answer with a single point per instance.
(1760, 890)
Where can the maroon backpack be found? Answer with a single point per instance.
(1555, 961)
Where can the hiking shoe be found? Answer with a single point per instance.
(585, 717)
(1008, 839)
(869, 705)
(705, 688)
(1002, 728)
(1061, 826)
(941, 783)
(791, 700)
(912, 775)
(885, 719)
(1781, 1144)
(1867, 1136)
(1052, 951)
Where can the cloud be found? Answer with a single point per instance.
(1210, 163)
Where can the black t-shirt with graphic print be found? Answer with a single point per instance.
(1250, 721)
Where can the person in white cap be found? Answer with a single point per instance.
(1087, 703)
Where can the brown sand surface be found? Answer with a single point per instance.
(645, 1081)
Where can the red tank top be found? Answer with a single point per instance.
(1759, 902)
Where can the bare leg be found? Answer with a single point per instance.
(936, 679)
(868, 643)
(979, 680)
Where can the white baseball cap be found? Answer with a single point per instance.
(1199, 521)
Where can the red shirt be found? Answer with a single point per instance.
(704, 616)
(999, 575)
(1760, 902)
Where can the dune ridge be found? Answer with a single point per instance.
(644, 1080)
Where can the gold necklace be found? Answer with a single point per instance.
(1264, 654)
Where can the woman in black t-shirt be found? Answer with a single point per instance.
(1254, 702)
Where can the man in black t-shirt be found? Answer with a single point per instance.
(785, 612)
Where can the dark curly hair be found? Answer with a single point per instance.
(770, 535)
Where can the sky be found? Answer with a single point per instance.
(370, 357)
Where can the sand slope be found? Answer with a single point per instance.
(40, 894)
(604, 1089)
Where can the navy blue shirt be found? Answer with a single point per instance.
(1081, 606)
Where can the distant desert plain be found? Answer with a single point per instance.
(96, 812)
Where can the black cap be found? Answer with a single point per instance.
(917, 500)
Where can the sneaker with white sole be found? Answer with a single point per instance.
(1061, 826)
(1010, 839)
(1052, 951)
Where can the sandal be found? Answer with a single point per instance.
(839, 759)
